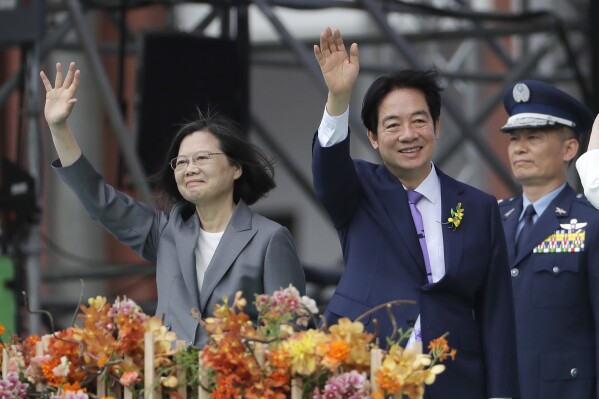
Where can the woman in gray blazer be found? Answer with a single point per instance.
(208, 244)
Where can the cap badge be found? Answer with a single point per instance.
(521, 93)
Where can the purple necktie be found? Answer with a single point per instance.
(413, 198)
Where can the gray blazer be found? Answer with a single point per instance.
(255, 254)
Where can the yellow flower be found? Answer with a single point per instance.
(97, 302)
(456, 217)
(170, 382)
(302, 348)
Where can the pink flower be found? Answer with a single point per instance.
(129, 378)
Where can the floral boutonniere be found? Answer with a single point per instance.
(456, 217)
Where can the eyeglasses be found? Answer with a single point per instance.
(199, 158)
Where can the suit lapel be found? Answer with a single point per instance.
(510, 225)
(395, 201)
(236, 236)
(548, 222)
(186, 243)
(453, 240)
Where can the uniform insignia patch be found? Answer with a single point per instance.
(508, 213)
(570, 238)
(559, 211)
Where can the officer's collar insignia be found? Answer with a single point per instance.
(573, 225)
(508, 213)
(521, 93)
(560, 211)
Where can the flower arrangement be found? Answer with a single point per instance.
(279, 356)
(114, 348)
(456, 217)
(107, 348)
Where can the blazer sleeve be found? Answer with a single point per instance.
(496, 314)
(132, 222)
(588, 169)
(281, 263)
(335, 180)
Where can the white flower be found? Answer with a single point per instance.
(310, 304)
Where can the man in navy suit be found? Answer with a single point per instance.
(552, 235)
(457, 273)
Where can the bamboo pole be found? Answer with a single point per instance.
(101, 386)
(181, 374)
(202, 393)
(127, 392)
(296, 388)
(39, 351)
(376, 360)
(149, 372)
(4, 363)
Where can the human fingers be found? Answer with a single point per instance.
(58, 78)
(74, 85)
(70, 75)
(354, 55)
(324, 42)
(45, 81)
(338, 40)
(318, 54)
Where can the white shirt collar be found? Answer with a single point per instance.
(430, 187)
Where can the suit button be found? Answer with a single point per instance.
(574, 372)
(514, 272)
(555, 269)
(411, 322)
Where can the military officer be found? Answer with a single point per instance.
(550, 231)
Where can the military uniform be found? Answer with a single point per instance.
(555, 271)
(555, 282)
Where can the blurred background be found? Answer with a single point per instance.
(146, 64)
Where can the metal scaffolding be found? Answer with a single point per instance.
(476, 52)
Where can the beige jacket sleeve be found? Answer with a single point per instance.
(588, 170)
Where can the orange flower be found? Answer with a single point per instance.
(49, 376)
(337, 353)
(2, 329)
(75, 387)
(440, 349)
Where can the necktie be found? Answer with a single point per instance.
(413, 198)
(529, 212)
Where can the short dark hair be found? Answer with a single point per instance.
(257, 177)
(426, 81)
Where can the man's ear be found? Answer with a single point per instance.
(438, 129)
(373, 139)
(571, 147)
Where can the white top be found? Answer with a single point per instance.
(588, 169)
(204, 251)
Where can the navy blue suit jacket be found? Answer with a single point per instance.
(384, 262)
(556, 299)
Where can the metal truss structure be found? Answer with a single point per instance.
(477, 53)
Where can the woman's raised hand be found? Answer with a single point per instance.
(60, 99)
